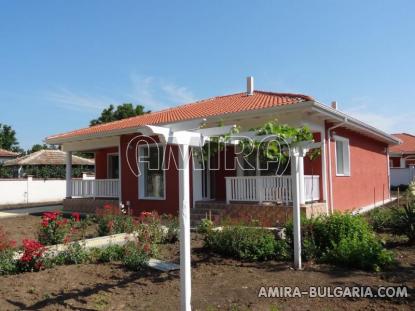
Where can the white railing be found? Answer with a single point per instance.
(269, 189)
(93, 188)
(312, 188)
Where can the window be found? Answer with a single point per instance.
(151, 180)
(342, 156)
(113, 164)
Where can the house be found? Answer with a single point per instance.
(402, 160)
(33, 162)
(7, 155)
(350, 173)
(403, 155)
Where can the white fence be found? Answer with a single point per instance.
(401, 176)
(269, 189)
(27, 191)
(92, 188)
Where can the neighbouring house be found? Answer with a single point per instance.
(402, 160)
(351, 173)
(7, 155)
(48, 164)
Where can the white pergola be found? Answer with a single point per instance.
(185, 140)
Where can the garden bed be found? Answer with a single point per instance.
(217, 284)
(27, 227)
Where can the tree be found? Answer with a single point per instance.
(123, 111)
(8, 138)
(38, 147)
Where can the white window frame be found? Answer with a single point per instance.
(346, 155)
(141, 195)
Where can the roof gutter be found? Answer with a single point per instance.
(340, 116)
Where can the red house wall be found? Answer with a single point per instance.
(130, 186)
(314, 167)
(101, 164)
(368, 182)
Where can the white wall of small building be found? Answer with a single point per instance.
(26, 191)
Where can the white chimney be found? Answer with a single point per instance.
(250, 85)
(334, 104)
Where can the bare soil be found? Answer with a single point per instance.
(27, 227)
(217, 284)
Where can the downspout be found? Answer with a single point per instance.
(330, 170)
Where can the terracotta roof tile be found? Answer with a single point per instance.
(7, 153)
(407, 146)
(48, 157)
(204, 108)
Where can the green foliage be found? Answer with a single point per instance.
(341, 239)
(54, 171)
(111, 253)
(7, 171)
(354, 251)
(8, 138)
(74, 254)
(172, 224)
(8, 264)
(403, 220)
(38, 147)
(123, 111)
(381, 219)
(136, 256)
(275, 150)
(53, 229)
(205, 226)
(244, 243)
(112, 221)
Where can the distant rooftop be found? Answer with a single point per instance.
(47, 157)
(6, 153)
(407, 146)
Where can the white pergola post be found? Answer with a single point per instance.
(184, 214)
(301, 179)
(297, 160)
(68, 174)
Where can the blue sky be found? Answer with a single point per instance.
(61, 62)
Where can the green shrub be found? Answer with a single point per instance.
(111, 220)
(136, 256)
(205, 226)
(367, 253)
(111, 253)
(382, 219)
(172, 224)
(246, 243)
(74, 254)
(8, 264)
(341, 239)
(404, 221)
(54, 228)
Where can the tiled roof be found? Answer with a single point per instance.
(407, 146)
(7, 153)
(204, 108)
(48, 157)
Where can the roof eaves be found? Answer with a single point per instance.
(341, 116)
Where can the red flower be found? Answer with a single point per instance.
(45, 222)
(76, 216)
(32, 250)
